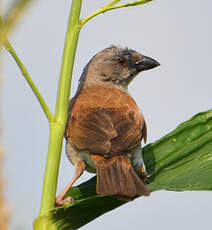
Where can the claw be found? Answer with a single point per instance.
(146, 180)
(60, 202)
(144, 175)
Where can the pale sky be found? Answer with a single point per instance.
(175, 33)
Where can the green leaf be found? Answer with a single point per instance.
(182, 160)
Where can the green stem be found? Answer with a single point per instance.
(133, 3)
(16, 11)
(11, 18)
(26, 75)
(97, 12)
(112, 6)
(57, 128)
(64, 86)
(112, 3)
(52, 167)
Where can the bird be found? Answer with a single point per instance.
(105, 126)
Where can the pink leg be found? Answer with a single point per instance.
(79, 168)
(144, 175)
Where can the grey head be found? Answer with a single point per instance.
(115, 67)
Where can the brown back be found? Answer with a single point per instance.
(105, 121)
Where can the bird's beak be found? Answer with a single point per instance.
(146, 63)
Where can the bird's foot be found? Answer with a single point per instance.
(144, 175)
(60, 201)
(146, 180)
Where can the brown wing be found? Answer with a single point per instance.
(105, 130)
(92, 130)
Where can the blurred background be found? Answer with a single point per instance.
(178, 34)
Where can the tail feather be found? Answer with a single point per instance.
(115, 176)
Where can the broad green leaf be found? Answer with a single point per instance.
(182, 160)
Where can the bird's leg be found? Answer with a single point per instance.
(144, 175)
(79, 168)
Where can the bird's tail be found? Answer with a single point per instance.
(115, 176)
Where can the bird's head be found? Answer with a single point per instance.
(115, 66)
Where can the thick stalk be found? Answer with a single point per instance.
(57, 127)
(52, 167)
(64, 86)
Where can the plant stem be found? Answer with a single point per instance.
(112, 3)
(57, 127)
(97, 12)
(52, 167)
(15, 12)
(72, 36)
(26, 75)
(12, 17)
(112, 6)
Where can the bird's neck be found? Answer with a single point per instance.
(90, 81)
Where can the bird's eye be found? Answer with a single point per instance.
(122, 61)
